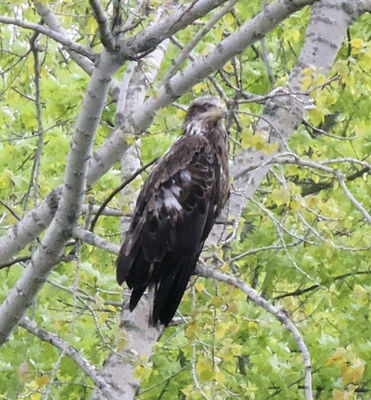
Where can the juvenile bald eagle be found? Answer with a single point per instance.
(176, 209)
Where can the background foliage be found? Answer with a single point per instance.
(308, 246)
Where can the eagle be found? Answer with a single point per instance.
(176, 208)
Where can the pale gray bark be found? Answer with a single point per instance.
(118, 370)
(148, 39)
(119, 367)
(112, 150)
(29, 228)
(58, 37)
(95, 240)
(326, 31)
(115, 146)
(363, 6)
(329, 21)
(52, 22)
(21, 296)
(284, 114)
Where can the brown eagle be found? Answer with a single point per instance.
(176, 209)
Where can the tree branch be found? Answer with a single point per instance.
(294, 159)
(299, 292)
(49, 252)
(117, 190)
(234, 44)
(281, 315)
(49, 18)
(341, 179)
(190, 46)
(14, 261)
(105, 33)
(58, 37)
(148, 39)
(69, 350)
(95, 240)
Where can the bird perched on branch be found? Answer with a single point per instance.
(176, 209)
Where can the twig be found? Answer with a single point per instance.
(165, 380)
(348, 160)
(279, 227)
(254, 251)
(299, 292)
(108, 211)
(69, 350)
(35, 171)
(106, 37)
(281, 315)
(84, 295)
(117, 190)
(341, 179)
(14, 261)
(324, 133)
(96, 323)
(53, 376)
(58, 37)
(9, 209)
(95, 240)
(190, 46)
(194, 356)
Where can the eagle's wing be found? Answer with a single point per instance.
(174, 214)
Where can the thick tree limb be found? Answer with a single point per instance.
(115, 145)
(29, 227)
(330, 20)
(234, 44)
(60, 230)
(112, 150)
(140, 339)
(148, 39)
(364, 6)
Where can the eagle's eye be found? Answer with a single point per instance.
(207, 106)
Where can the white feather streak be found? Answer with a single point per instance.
(171, 201)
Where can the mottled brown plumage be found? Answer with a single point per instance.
(176, 209)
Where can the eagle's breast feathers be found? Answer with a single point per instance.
(176, 210)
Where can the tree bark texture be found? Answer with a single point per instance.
(143, 53)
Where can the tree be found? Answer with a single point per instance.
(94, 91)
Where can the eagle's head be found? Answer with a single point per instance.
(202, 111)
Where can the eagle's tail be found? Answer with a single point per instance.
(169, 292)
